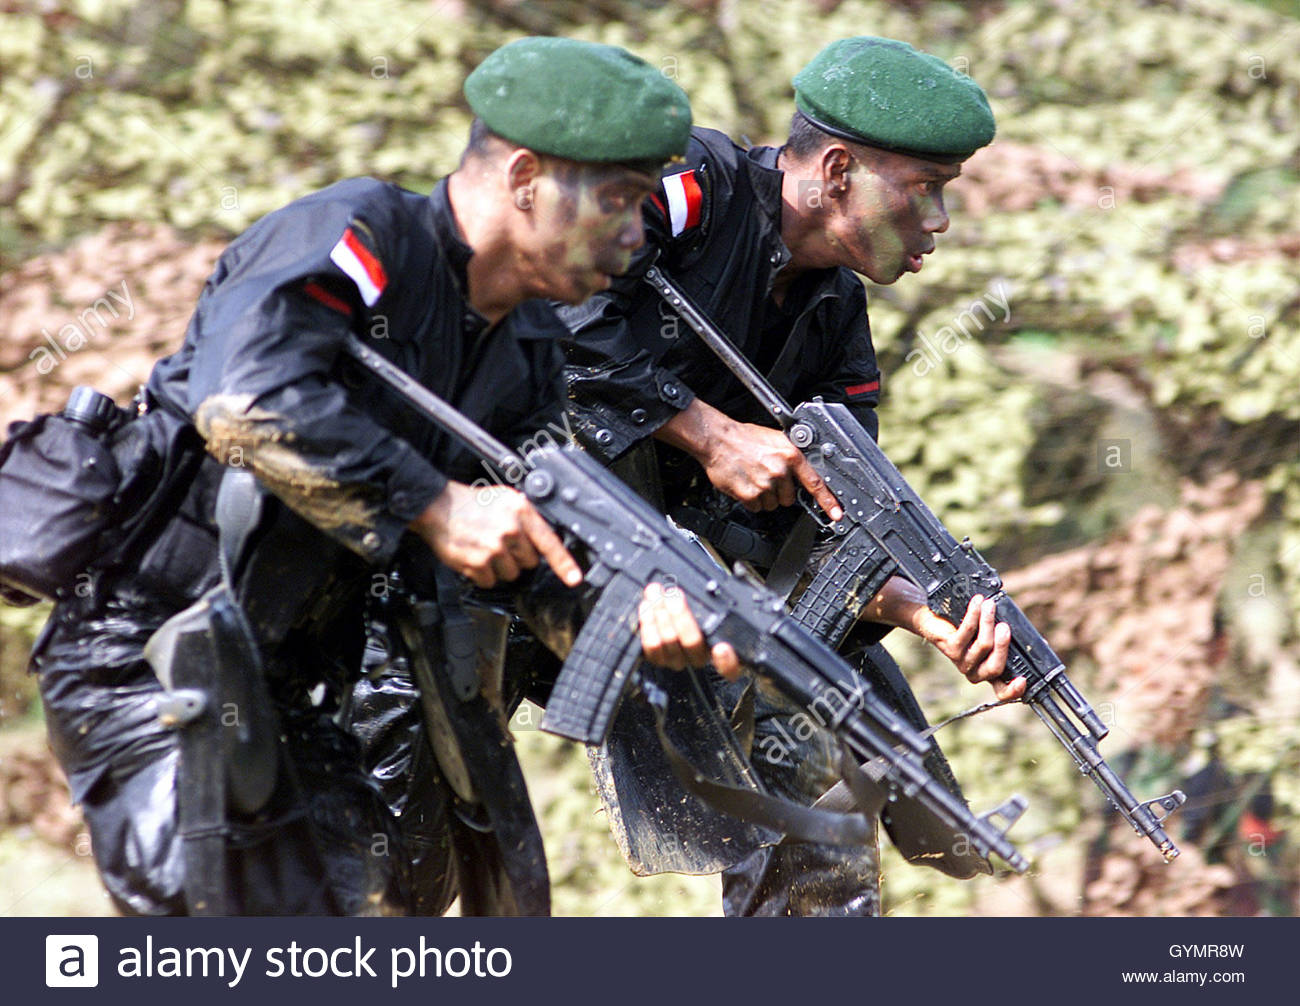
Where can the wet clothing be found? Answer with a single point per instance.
(261, 378)
(714, 228)
(264, 343)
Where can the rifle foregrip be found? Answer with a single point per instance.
(590, 686)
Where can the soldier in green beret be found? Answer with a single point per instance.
(766, 241)
(260, 399)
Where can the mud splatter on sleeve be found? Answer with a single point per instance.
(326, 460)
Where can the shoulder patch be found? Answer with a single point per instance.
(360, 265)
(685, 201)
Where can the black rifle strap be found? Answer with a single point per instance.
(732, 539)
(792, 559)
(796, 822)
(250, 748)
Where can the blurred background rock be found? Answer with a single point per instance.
(1098, 379)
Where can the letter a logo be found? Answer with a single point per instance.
(71, 962)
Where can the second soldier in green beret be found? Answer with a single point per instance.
(766, 241)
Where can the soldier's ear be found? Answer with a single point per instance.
(836, 165)
(521, 171)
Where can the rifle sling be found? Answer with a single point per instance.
(796, 822)
(792, 559)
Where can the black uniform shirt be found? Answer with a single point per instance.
(261, 377)
(716, 229)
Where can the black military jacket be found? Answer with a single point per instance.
(715, 227)
(261, 377)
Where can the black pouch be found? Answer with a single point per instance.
(59, 483)
(79, 489)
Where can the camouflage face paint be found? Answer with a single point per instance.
(590, 217)
(897, 207)
(882, 225)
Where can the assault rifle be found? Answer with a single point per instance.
(882, 512)
(630, 544)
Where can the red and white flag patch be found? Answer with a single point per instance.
(361, 266)
(685, 201)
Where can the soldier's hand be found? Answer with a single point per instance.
(756, 465)
(492, 534)
(978, 647)
(670, 636)
(759, 467)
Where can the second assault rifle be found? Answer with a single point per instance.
(883, 513)
(629, 545)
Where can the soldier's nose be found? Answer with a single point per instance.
(937, 222)
(633, 235)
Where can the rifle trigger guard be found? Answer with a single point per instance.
(814, 510)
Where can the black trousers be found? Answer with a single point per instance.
(325, 844)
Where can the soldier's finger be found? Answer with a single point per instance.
(1008, 690)
(521, 550)
(687, 630)
(817, 488)
(670, 646)
(785, 491)
(725, 661)
(996, 662)
(980, 649)
(965, 632)
(505, 568)
(651, 643)
(481, 575)
(548, 543)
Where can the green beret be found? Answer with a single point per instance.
(884, 93)
(581, 101)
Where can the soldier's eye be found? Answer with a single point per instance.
(615, 203)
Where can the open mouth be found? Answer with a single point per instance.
(914, 262)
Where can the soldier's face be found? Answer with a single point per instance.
(587, 219)
(893, 211)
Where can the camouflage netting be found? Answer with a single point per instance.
(1095, 378)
